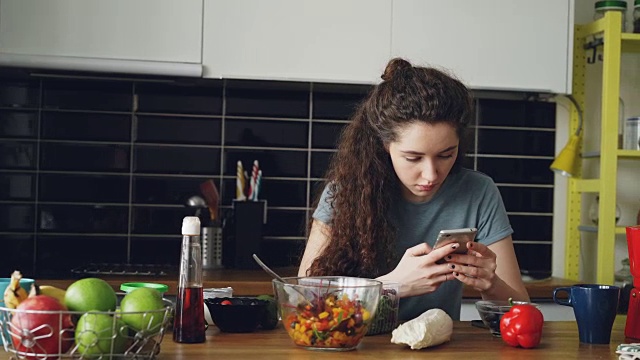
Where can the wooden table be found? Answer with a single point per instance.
(256, 282)
(559, 341)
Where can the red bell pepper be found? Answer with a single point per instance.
(522, 326)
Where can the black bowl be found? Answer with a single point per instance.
(242, 315)
(491, 312)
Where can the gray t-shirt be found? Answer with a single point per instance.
(467, 198)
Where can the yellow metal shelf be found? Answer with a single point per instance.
(620, 230)
(630, 43)
(621, 154)
(587, 185)
(629, 154)
(613, 43)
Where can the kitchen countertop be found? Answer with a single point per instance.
(256, 282)
(559, 341)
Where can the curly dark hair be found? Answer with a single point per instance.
(361, 177)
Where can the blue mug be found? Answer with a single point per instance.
(595, 307)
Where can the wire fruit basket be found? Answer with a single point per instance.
(46, 334)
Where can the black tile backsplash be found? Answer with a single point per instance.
(87, 95)
(320, 163)
(16, 186)
(158, 221)
(17, 217)
(181, 98)
(515, 142)
(88, 164)
(20, 94)
(520, 170)
(325, 135)
(18, 124)
(155, 250)
(17, 251)
(285, 222)
(165, 190)
(337, 101)
(83, 219)
(285, 193)
(266, 133)
(179, 130)
(17, 155)
(82, 126)
(84, 157)
(58, 254)
(267, 99)
(84, 188)
(534, 259)
(274, 163)
(531, 228)
(176, 159)
(516, 114)
(523, 199)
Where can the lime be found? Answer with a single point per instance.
(270, 318)
(100, 334)
(90, 294)
(138, 307)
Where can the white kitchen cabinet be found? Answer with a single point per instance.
(330, 40)
(138, 30)
(489, 44)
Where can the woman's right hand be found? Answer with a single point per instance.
(417, 271)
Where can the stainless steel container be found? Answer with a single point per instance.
(632, 134)
(211, 247)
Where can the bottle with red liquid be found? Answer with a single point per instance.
(188, 326)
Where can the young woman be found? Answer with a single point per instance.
(395, 182)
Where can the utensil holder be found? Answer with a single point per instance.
(211, 247)
(243, 234)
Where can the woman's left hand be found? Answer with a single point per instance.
(477, 268)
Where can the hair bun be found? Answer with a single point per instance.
(393, 66)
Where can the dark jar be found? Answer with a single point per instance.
(636, 16)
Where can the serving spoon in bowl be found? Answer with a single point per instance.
(267, 269)
(276, 276)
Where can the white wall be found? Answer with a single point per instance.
(628, 197)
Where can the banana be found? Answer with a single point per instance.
(54, 292)
(35, 290)
(14, 294)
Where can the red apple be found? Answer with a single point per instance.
(41, 335)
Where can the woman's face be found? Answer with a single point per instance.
(422, 157)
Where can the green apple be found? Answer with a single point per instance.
(90, 294)
(98, 335)
(141, 309)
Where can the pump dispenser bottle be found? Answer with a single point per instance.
(188, 324)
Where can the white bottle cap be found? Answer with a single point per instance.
(191, 225)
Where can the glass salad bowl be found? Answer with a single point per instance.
(327, 313)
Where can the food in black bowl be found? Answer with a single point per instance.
(491, 312)
(237, 314)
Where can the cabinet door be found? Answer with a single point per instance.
(489, 44)
(154, 30)
(330, 40)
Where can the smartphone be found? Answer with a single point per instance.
(460, 236)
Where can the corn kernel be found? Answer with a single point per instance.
(323, 315)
